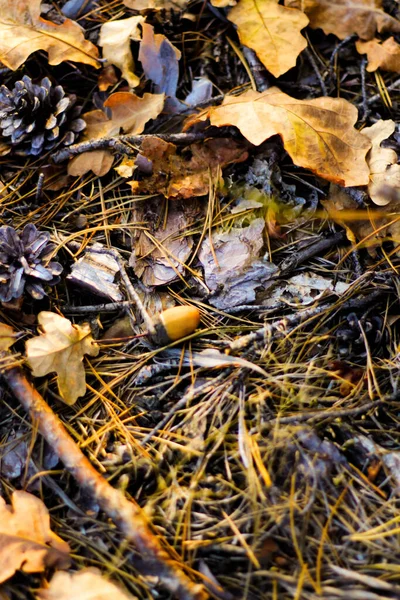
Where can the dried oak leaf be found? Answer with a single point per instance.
(174, 176)
(177, 5)
(129, 115)
(384, 55)
(87, 584)
(318, 134)
(7, 337)
(26, 540)
(384, 170)
(345, 17)
(60, 349)
(272, 31)
(115, 39)
(23, 31)
(371, 227)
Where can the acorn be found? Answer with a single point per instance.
(175, 323)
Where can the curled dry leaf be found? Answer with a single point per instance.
(26, 540)
(384, 170)
(174, 176)
(159, 253)
(87, 584)
(272, 31)
(23, 31)
(318, 134)
(371, 227)
(60, 349)
(345, 17)
(160, 60)
(7, 337)
(129, 115)
(384, 55)
(115, 39)
(156, 4)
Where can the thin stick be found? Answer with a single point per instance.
(128, 517)
(120, 144)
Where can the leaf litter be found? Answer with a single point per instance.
(245, 169)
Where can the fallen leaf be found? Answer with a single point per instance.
(159, 255)
(159, 60)
(272, 31)
(7, 337)
(304, 289)
(107, 78)
(232, 269)
(115, 39)
(156, 4)
(26, 540)
(345, 17)
(223, 3)
(87, 584)
(23, 31)
(126, 167)
(318, 134)
(371, 226)
(60, 349)
(98, 161)
(129, 115)
(175, 177)
(382, 162)
(96, 272)
(384, 55)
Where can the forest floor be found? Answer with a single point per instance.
(263, 449)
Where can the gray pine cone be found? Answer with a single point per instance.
(24, 263)
(34, 118)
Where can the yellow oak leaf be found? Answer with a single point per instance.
(87, 584)
(129, 115)
(23, 31)
(26, 540)
(318, 134)
(60, 349)
(7, 337)
(115, 39)
(345, 17)
(381, 55)
(384, 170)
(272, 31)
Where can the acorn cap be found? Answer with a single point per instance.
(175, 323)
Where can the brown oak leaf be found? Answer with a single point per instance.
(60, 349)
(272, 31)
(384, 55)
(23, 31)
(87, 584)
(384, 170)
(174, 176)
(7, 337)
(318, 134)
(26, 540)
(345, 17)
(129, 115)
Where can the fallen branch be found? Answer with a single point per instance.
(123, 144)
(128, 517)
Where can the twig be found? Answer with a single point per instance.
(129, 287)
(119, 144)
(314, 65)
(289, 264)
(96, 308)
(342, 44)
(128, 517)
(366, 110)
(394, 86)
(319, 415)
(259, 72)
(273, 330)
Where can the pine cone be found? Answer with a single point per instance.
(24, 263)
(350, 337)
(34, 118)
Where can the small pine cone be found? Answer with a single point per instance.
(34, 118)
(350, 336)
(24, 263)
